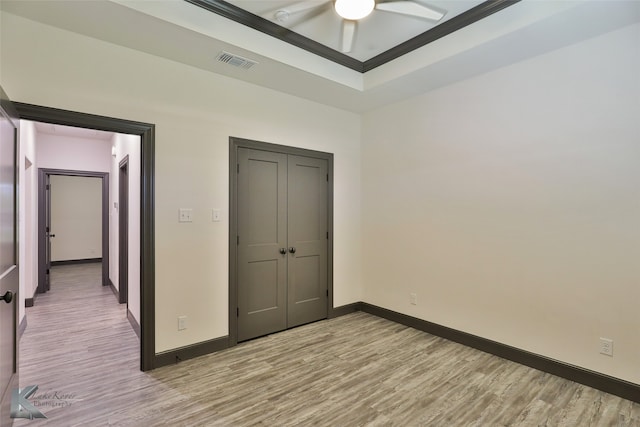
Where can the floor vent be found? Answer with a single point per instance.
(235, 60)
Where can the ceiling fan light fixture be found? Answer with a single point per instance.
(354, 9)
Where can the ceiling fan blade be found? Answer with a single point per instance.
(348, 35)
(412, 9)
(282, 13)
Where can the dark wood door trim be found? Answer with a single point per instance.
(146, 131)
(44, 231)
(123, 231)
(43, 178)
(234, 145)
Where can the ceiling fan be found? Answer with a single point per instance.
(351, 11)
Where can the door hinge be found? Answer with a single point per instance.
(48, 187)
(237, 240)
(327, 177)
(237, 311)
(327, 235)
(327, 292)
(47, 229)
(238, 168)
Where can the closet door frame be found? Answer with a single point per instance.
(234, 145)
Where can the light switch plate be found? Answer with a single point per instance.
(215, 215)
(185, 215)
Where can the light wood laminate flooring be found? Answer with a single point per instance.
(355, 370)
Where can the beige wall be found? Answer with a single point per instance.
(510, 203)
(126, 145)
(73, 153)
(195, 112)
(27, 210)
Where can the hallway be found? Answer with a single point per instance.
(78, 348)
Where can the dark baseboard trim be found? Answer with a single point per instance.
(134, 323)
(114, 290)
(22, 327)
(76, 261)
(30, 302)
(344, 310)
(191, 351)
(599, 381)
(608, 384)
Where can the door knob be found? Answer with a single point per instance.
(7, 297)
(52, 235)
(283, 251)
(292, 250)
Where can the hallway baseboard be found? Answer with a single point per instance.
(75, 261)
(134, 323)
(114, 290)
(29, 302)
(22, 327)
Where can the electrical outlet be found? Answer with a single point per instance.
(413, 298)
(185, 215)
(606, 346)
(182, 323)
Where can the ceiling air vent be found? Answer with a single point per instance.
(235, 60)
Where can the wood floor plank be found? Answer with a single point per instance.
(355, 370)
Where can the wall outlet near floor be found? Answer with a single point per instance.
(413, 298)
(182, 323)
(606, 346)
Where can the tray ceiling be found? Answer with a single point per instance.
(379, 38)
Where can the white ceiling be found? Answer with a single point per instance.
(61, 130)
(182, 32)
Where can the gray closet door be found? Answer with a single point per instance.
(307, 234)
(262, 233)
(282, 243)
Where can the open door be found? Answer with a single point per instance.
(8, 258)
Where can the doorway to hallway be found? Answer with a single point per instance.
(146, 271)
